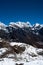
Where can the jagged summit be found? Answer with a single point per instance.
(21, 24)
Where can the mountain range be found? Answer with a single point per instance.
(22, 32)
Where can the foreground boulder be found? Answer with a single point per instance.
(18, 49)
(19, 64)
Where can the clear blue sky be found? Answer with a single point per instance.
(21, 10)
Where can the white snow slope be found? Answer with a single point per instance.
(29, 56)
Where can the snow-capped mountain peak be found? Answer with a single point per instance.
(2, 26)
(36, 25)
(20, 24)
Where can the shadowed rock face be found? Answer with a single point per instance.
(25, 35)
(41, 31)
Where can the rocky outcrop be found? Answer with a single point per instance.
(11, 49)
